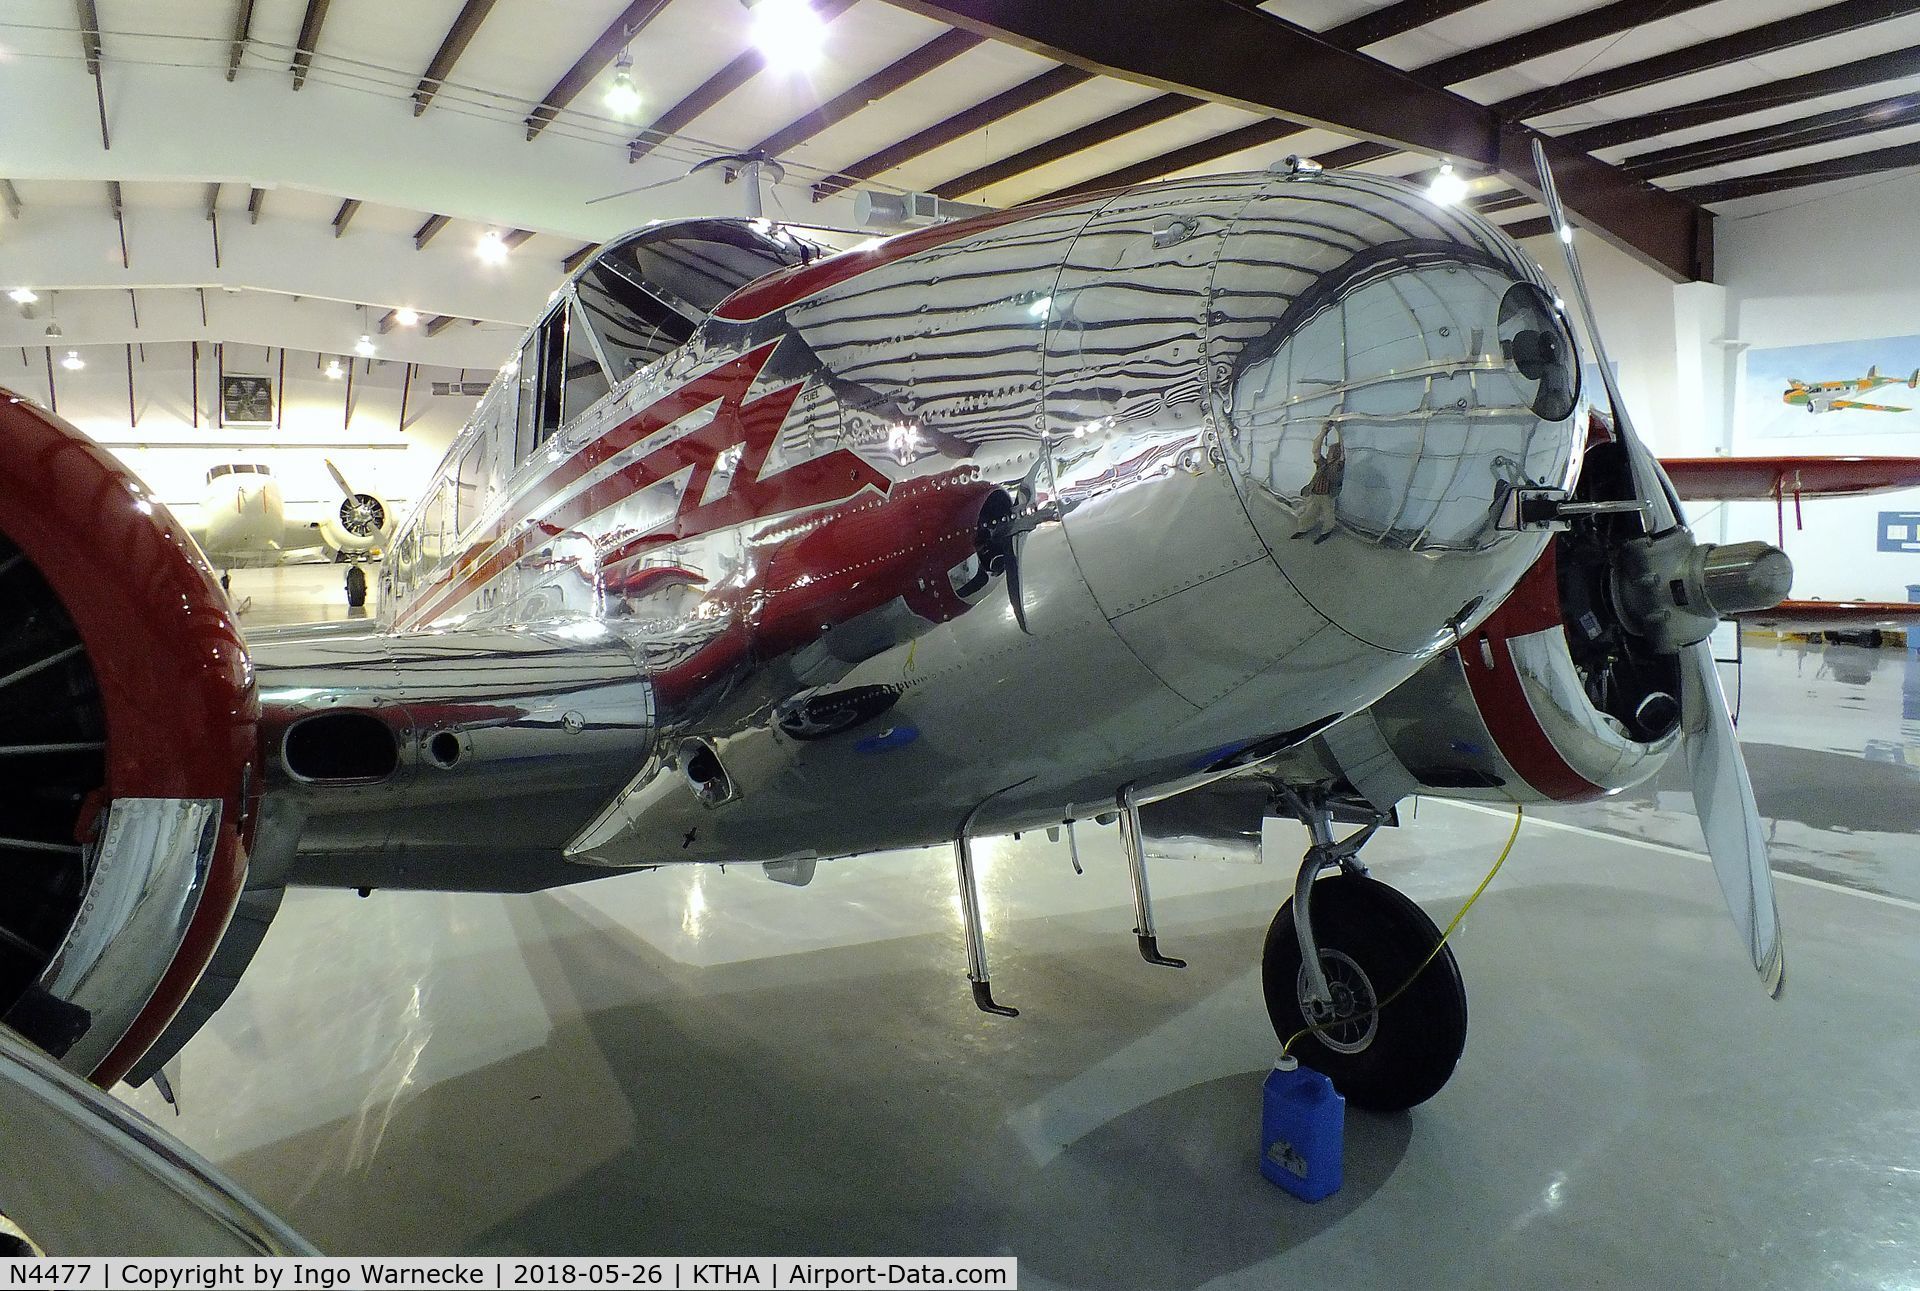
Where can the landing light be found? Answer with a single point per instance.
(1447, 188)
(73, 362)
(789, 33)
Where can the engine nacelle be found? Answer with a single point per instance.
(1545, 701)
(359, 525)
(132, 724)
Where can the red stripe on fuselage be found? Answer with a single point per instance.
(750, 425)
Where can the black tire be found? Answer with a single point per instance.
(1371, 939)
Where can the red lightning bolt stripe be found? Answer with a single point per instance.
(750, 425)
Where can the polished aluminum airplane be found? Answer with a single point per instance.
(1185, 504)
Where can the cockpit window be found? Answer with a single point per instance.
(696, 264)
(242, 469)
(644, 296)
(633, 327)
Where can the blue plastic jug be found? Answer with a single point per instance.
(1302, 1131)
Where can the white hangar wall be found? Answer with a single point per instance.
(1838, 268)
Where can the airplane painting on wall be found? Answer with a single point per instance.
(1841, 388)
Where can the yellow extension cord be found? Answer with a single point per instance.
(1381, 1007)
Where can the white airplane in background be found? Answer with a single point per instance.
(244, 520)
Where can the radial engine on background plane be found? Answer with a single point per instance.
(1178, 504)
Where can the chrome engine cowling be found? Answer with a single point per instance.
(131, 721)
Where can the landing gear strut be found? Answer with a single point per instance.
(1335, 957)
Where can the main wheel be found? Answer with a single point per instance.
(1372, 939)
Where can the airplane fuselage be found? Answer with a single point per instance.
(1006, 515)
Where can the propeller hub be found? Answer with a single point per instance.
(1674, 591)
(1744, 576)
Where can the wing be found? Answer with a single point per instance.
(1724, 479)
(1866, 407)
(1827, 616)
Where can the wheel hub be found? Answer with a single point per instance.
(1349, 1023)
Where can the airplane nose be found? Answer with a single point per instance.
(1377, 422)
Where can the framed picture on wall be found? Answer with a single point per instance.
(245, 400)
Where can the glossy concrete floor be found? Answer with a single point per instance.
(710, 1063)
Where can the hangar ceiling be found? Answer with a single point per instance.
(354, 154)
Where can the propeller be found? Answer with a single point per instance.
(361, 514)
(1673, 590)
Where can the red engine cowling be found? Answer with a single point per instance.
(1545, 701)
(130, 721)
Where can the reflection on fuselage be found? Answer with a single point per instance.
(1021, 510)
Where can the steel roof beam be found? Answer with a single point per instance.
(1091, 135)
(1217, 50)
(242, 33)
(1822, 127)
(309, 40)
(1860, 164)
(1872, 70)
(1256, 135)
(938, 52)
(1595, 24)
(1392, 20)
(1720, 51)
(424, 234)
(710, 92)
(344, 216)
(632, 20)
(465, 24)
(1038, 89)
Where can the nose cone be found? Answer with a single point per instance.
(1379, 416)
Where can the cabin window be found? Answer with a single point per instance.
(526, 371)
(432, 517)
(470, 492)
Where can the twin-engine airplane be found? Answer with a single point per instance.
(1831, 396)
(1184, 504)
(244, 520)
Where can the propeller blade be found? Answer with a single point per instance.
(1729, 817)
(346, 489)
(1722, 792)
(1662, 513)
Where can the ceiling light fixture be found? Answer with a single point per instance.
(22, 296)
(623, 97)
(1447, 188)
(364, 346)
(73, 362)
(490, 248)
(334, 372)
(406, 317)
(53, 331)
(789, 33)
